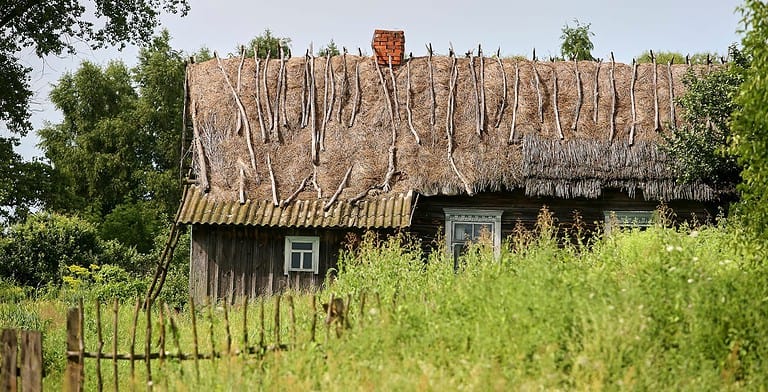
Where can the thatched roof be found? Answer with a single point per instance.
(298, 129)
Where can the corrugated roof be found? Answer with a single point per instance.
(385, 211)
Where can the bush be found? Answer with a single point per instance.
(32, 253)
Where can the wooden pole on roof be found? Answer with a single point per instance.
(478, 127)
(449, 124)
(538, 91)
(356, 101)
(275, 200)
(239, 124)
(632, 100)
(580, 97)
(336, 194)
(313, 107)
(344, 84)
(672, 118)
(257, 60)
(394, 90)
(241, 110)
(266, 89)
(203, 177)
(482, 87)
(386, 97)
(408, 101)
(504, 89)
(613, 98)
(515, 104)
(304, 95)
(278, 90)
(431, 72)
(656, 119)
(596, 91)
(554, 104)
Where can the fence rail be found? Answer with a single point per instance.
(336, 313)
(21, 359)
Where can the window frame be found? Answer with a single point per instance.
(315, 252)
(472, 216)
(618, 219)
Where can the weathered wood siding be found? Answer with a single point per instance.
(429, 218)
(235, 261)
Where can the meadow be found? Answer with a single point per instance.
(663, 308)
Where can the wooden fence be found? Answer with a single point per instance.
(336, 313)
(21, 359)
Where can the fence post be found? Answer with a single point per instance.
(31, 361)
(73, 377)
(8, 356)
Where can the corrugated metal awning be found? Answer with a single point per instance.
(385, 211)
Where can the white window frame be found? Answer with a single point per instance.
(315, 241)
(627, 219)
(471, 215)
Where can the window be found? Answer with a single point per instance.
(464, 226)
(302, 254)
(619, 219)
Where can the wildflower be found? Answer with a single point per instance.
(695, 259)
(694, 234)
(670, 248)
(690, 280)
(679, 248)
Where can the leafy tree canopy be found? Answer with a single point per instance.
(577, 44)
(329, 50)
(116, 153)
(750, 124)
(266, 43)
(52, 27)
(699, 146)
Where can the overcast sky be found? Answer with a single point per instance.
(625, 27)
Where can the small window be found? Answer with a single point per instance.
(627, 219)
(464, 226)
(302, 254)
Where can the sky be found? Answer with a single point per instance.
(627, 28)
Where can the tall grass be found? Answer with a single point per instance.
(664, 308)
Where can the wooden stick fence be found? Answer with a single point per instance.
(21, 360)
(336, 311)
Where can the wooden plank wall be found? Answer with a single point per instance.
(429, 218)
(234, 261)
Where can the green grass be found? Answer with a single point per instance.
(659, 309)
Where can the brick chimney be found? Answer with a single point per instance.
(388, 43)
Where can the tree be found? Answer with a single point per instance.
(329, 50)
(117, 151)
(52, 27)
(699, 147)
(577, 44)
(750, 124)
(266, 43)
(23, 185)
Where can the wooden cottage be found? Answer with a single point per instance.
(291, 154)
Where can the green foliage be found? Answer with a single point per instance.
(576, 42)
(699, 146)
(664, 57)
(101, 283)
(266, 43)
(36, 252)
(175, 290)
(328, 50)
(134, 225)
(116, 153)
(750, 124)
(32, 253)
(24, 185)
(52, 28)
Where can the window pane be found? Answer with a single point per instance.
(295, 260)
(307, 261)
(462, 232)
(482, 229)
(301, 245)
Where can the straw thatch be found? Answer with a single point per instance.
(339, 130)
